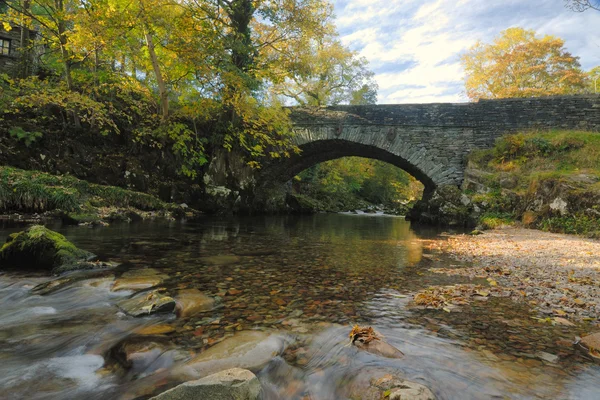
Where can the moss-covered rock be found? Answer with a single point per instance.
(448, 206)
(42, 249)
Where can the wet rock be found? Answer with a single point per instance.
(388, 386)
(41, 249)
(367, 339)
(380, 348)
(551, 358)
(590, 345)
(146, 304)
(231, 384)
(162, 329)
(141, 356)
(139, 279)
(447, 206)
(402, 389)
(191, 302)
(84, 265)
(62, 282)
(246, 349)
(410, 391)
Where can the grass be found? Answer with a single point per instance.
(542, 154)
(546, 164)
(34, 191)
(493, 220)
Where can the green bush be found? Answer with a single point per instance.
(579, 224)
(24, 136)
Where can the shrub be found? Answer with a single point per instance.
(24, 136)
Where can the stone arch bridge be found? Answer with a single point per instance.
(429, 141)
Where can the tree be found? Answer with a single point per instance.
(594, 80)
(328, 73)
(518, 64)
(55, 19)
(582, 5)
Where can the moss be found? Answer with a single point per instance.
(40, 248)
(33, 191)
(493, 220)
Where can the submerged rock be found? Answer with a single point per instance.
(191, 302)
(400, 389)
(380, 348)
(231, 384)
(246, 349)
(590, 345)
(374, 384)
(143, 355)
(367, 339)
(146, 304)
(224, 259)
(139, 279)
(42, 249)
(84, 265)
(68, 280)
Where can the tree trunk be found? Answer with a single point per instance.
(64, 52)
(25, 69)
(242, 53)
(96, 65)
(162, 87)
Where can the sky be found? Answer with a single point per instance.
(414, 46)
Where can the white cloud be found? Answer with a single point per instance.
(414, 45)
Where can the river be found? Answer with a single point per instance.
(307, 278)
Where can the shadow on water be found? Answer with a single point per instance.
(310, 277)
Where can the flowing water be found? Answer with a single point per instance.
(308, 279)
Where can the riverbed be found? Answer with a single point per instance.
(307, 280)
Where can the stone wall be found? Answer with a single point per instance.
(430, 141)
(10, 63)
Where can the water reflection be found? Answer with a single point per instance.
(311, 277)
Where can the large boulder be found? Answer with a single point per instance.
(40, 248)
(231, 384)
(447, 206)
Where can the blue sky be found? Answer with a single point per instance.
(414, 46)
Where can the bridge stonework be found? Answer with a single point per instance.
(430, 141)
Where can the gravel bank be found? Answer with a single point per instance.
(558, 274)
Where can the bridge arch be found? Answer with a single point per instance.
(318, 151)
(429, 141)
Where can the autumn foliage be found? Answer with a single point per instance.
(519, 64)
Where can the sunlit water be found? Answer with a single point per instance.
(307, 278)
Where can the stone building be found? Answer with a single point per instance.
(11, 60)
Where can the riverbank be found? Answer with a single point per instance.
(557, 274)
(34, 196)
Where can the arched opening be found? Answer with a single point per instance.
(299, 172)
(319, 151)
